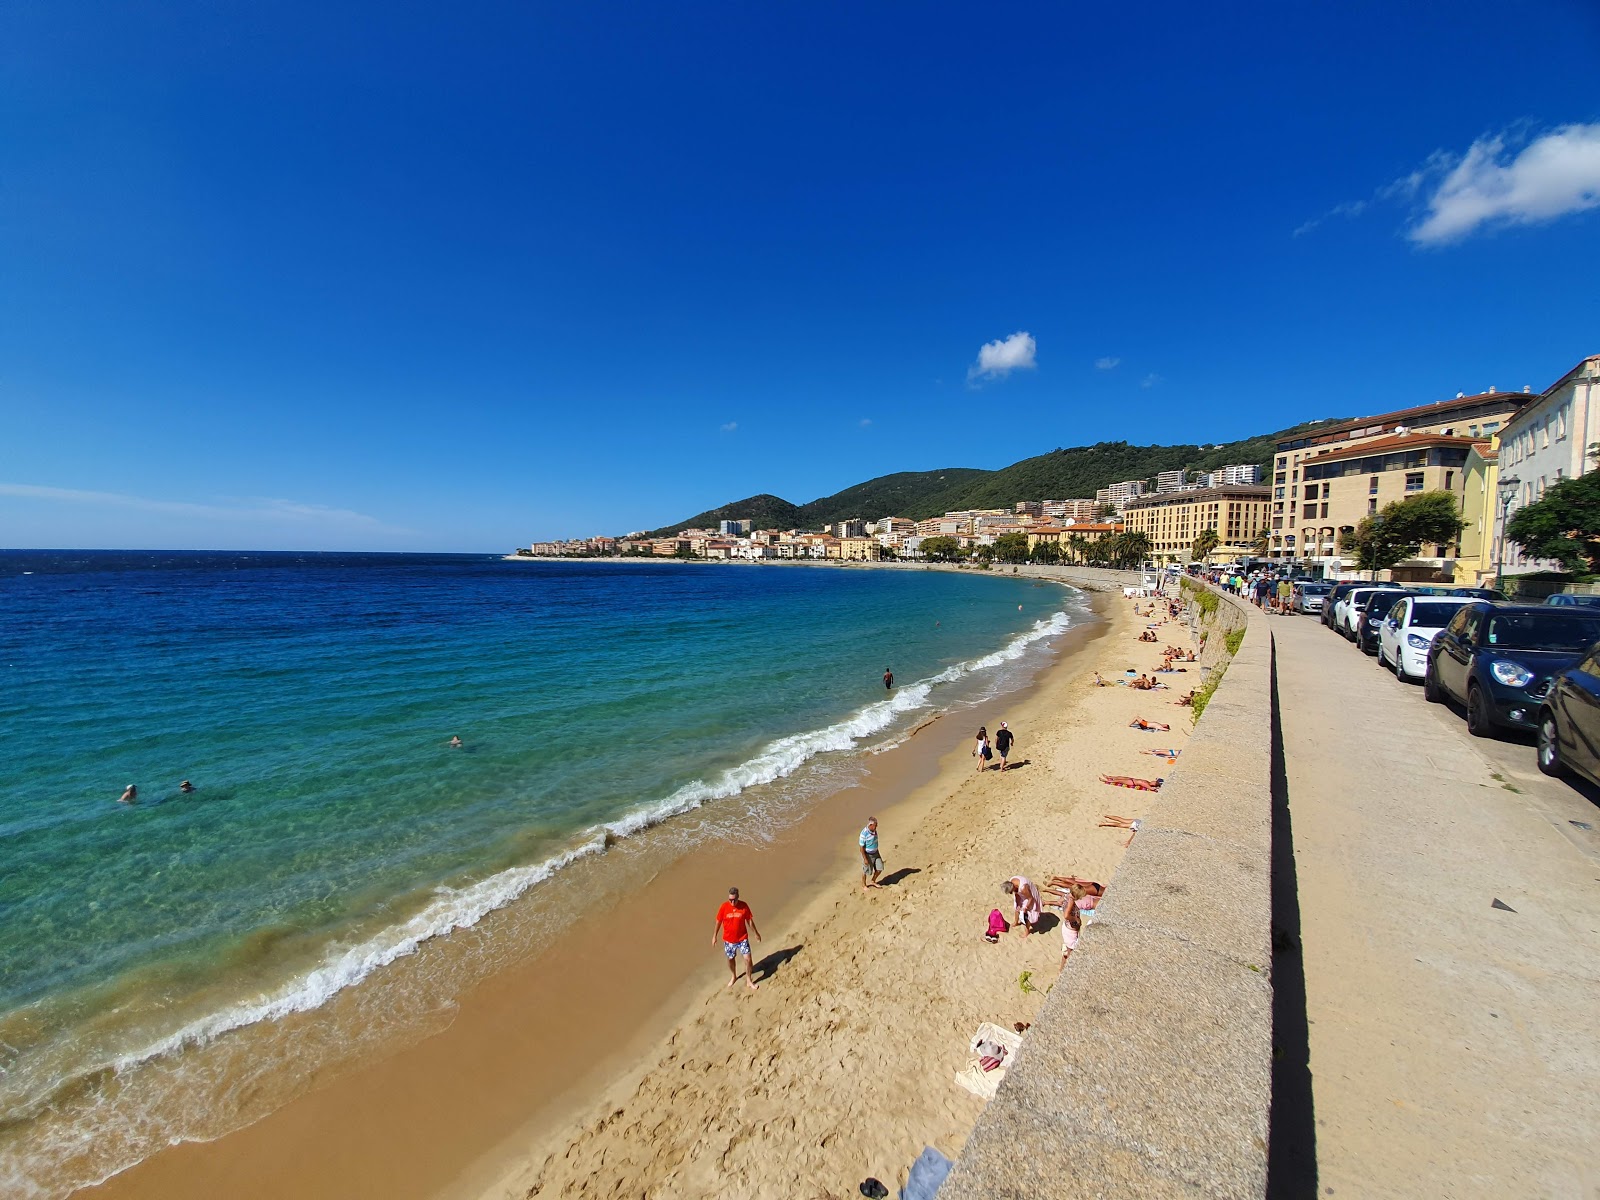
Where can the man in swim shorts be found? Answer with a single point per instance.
(733, 918)
(871, 860)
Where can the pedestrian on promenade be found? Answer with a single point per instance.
(871, 860)
(1003, 739)
(735, 924)
(981, 749)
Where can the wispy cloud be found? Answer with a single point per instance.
(1150, 380)
(1509, 178)
(865, 422)
(252, 509)
(1106, 364)
(999, 358)
(730, 427)
(1551, 176)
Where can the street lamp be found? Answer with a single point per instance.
(1508, 489)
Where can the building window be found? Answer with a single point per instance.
(1561, 423)
(1413, 481)
(1544, 436)
(1278, 478)
(1449, 480)
(1277, 494)
(1324, 510)
(1372, 505)
(1310, 512)
(1372, 486)
(1283, 462)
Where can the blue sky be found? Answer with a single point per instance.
(417, 276)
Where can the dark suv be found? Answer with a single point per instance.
(1498, 659)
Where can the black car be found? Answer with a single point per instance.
(1499, 659)
(1378, 606)
(1478, 593)
(1340, 590)
(1569, 721)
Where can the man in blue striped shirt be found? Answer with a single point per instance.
(871, 862)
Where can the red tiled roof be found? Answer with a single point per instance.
(1394, 442)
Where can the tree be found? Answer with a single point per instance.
(1132, 548)
(1565, 525)
(1262, 542)
(942, 549)
(1401, 529)
(1208, 541)
(1011, 547)
(1078, 545)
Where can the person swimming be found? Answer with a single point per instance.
(130, 796)
(454, 743)
(186, 786)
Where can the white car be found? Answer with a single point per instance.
(1347, 613)
(1409, 629)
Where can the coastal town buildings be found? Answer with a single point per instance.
(1547, 441)
(1116, 494)
(1472, 417)
(1238, 473)
(1171, 481)
(1069, 536)
(1071, 510)
(1342, 487)
(1172, 521)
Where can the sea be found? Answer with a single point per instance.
(164, 964)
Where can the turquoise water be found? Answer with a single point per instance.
(310, 699)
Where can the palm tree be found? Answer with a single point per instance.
(1134, 547)
(1077, 544)
(1262, 542)
(1206, 543)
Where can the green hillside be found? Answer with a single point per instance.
(1075, 473)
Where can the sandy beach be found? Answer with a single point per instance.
(841, 1066)
(615, 1062)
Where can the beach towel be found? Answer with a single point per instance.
(976, 1077)
(927, 1173)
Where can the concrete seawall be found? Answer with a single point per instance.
(1149, 1071)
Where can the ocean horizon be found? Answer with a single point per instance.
(333, 830)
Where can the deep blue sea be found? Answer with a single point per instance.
(310, 699)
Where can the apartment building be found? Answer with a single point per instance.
(1062, 535)
(1119, 493)
(1238, 473)
(1171, 481)
(1343, 486)
(733, 528)
(1473, 417)
(854, 528)
(1029, 508)
(1478, 553)
(1071, 510)
(1173, 520)
(860, 549)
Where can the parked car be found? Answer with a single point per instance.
(1379, 604)
(1499, 660)
(1569, 721)
(1478, 593)
(1347, 615)
(1310, 596)
(1570, 599)
(1330, 602)
(1409, 629)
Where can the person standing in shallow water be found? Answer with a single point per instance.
(888, 678)
(735, 924)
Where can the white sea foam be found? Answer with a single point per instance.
(460, 908)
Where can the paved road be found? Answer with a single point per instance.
(1454, 1045)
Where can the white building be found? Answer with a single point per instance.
(1119, 493)
(1171, 481)
(1226, 476)
(1546, 442)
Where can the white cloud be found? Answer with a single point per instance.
(254, 509)
(866, 421)
(1553, 175)
(1150, 380)
(1106, 364)
(730, 427)
(1351, 208)
(998, 359)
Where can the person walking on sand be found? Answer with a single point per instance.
(888, 678)
(735, 924)
(1003, 738)
(981, 751)
(871, 860)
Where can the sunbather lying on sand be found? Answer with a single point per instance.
(1128, 781)
(1131, 824)
(1170, 755)
(1186, 701)
(1141, 723)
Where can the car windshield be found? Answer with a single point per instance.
(1565, 631)
(1314, 589)
(1377, 603)
(1434, 614)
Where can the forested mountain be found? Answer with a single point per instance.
(1059, 475)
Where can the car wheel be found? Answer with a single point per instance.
(1431, 691)
(1479, 723)
(1549, 746)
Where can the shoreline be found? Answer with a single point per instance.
(414, 1077)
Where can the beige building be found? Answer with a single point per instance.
(1173, 520)
(1062, 535)
(859, 549)
(1478, 553)
(1472, 417)
(1341, 487)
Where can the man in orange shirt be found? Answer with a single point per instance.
(732, 919)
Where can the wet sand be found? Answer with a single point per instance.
(614, 1057)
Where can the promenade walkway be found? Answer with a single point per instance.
(1449, 901)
